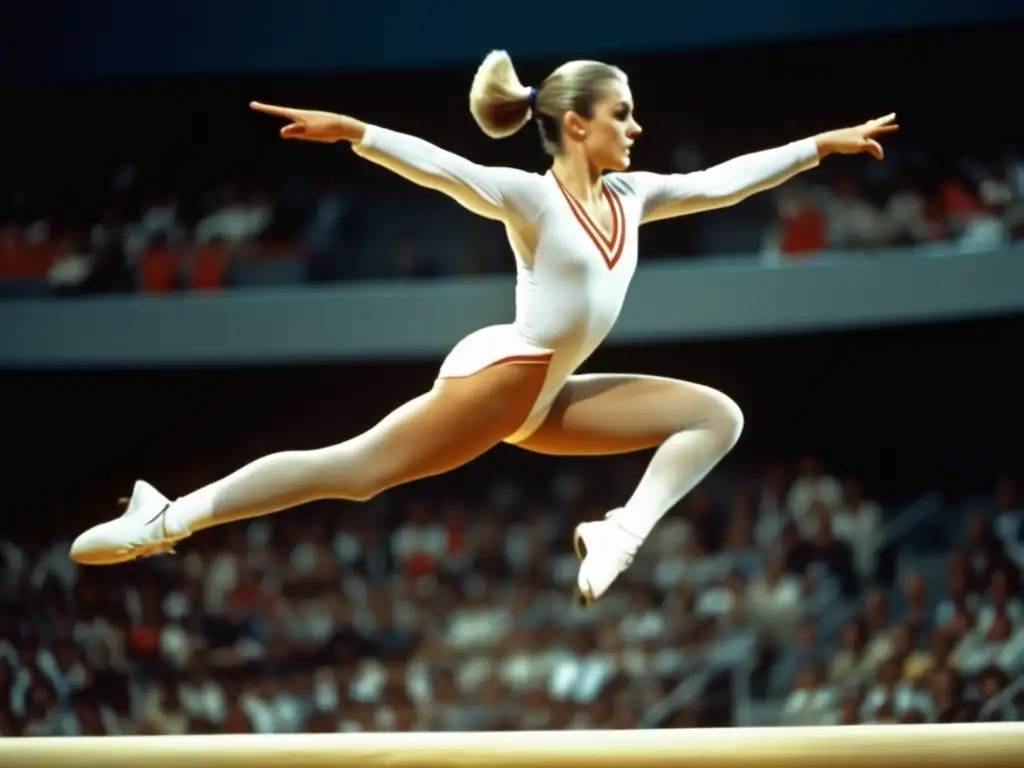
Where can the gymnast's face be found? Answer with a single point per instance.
(610, 132)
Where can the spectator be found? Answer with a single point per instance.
(858, 523)
(812, 486)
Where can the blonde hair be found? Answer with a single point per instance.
(501, 104)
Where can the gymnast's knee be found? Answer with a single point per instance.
(724, 421)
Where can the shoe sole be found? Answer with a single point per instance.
(109, 557)
(101, 558)
(581, 597)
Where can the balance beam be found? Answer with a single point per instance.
(996, 745)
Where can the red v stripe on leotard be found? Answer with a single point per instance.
(610, 247)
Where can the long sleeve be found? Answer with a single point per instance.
(505, 194)
(669, 195)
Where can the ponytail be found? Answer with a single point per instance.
(499, 103)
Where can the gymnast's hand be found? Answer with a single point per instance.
(861, 138)
(310, 125)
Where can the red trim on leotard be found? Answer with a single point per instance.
(522, 360)
(610, 248)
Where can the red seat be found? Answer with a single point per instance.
(160, 268)
(27, 260)
(209, 267)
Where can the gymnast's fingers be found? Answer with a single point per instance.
(269, 109)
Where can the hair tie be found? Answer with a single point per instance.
(533, 97)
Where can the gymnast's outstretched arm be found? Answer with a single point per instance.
(669, 195)
(505, 194)
(495, 193)
(666, 196)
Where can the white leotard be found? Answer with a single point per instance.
(571, 278)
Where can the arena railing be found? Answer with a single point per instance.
(669, 301)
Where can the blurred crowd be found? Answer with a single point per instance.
(975, 208)
(786, 596)
(154, 238)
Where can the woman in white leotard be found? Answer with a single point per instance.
(573, 232)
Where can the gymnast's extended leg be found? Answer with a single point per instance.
(459, 419)
(693, 426)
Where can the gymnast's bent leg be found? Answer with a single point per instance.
(458, 420)
(693, 426)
